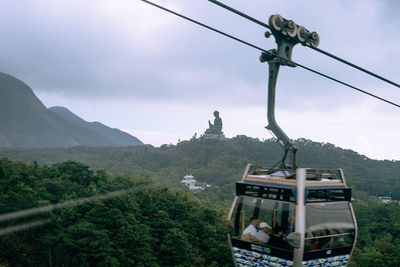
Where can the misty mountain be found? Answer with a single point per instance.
(115, 135)
(26, 122)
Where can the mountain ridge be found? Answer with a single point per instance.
(117, 136)
(26, 122)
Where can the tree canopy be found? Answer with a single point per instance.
(150, 226)
(168, 226)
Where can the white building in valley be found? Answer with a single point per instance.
(190, 182)
(385, 200)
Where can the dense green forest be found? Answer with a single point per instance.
(221, 163)
(162, 223)
(378, 242)
(150, 226)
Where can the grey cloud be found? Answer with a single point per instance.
(84, 56)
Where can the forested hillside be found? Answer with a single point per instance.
(156, 226)
(116, 136)
(378, 242)
(221, 163)
(150, 226)
(26, 122)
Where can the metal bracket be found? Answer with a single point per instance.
(287, 34)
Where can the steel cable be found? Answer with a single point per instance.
(314, 48)
(263, 50)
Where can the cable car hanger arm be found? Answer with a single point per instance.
(310, 46)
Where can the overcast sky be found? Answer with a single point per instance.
(137, 68)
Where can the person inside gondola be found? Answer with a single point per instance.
(264, 232)
(320, 242)
(310, 243)
(251, 230)
(323, 242)
(276, 239)
(336, 240)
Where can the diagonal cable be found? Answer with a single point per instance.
(346, 84)
(23, 226)
(268, 52)
(204, 25)
(240, 14)
(314, 48)
(355, 66)
(70, 203)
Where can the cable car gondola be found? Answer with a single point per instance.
(290, 216)
(308, 211)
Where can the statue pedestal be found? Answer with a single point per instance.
(218, 136)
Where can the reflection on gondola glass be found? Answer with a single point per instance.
(328, 225)
(263, 222)
(328, 195)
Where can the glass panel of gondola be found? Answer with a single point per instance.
(321, 175)
(329, 234)
(260, 228)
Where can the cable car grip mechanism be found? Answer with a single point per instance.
(287, 34)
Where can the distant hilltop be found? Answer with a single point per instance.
(26, 122)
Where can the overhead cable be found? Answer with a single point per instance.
(346, 84)
(314, 48)
(23, 226)
(240, 14)
(268, 52)
(355, 66)
(204, 25)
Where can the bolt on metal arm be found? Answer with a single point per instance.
(287, 34)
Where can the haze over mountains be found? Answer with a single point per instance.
(26, 122)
